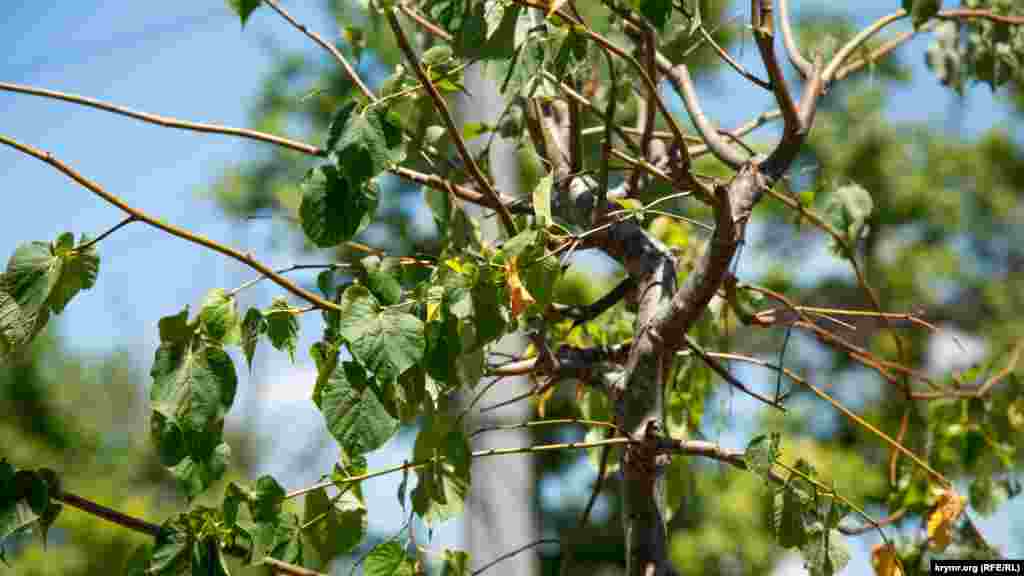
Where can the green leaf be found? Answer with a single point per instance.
(243, 8)
(388, 559)
(282, 327)
(171, 552)
(79, 268)
(762, 452)
(195, 473)
(364, 144)
(334, 210)
(455, 563)
(656, 11)
(472, 130)
(825, 553)
(278, 538)
(253, 326)
(922, 10)
(487, 31)
(353, 412)
(849, 209)
(387, 342)
(41, 278)
(193, 388)
(444, 484)
(218, 317)
(542, 201)
(789, 518)
(266, 499)
(334, 527)
(193, 385)
(380, 277)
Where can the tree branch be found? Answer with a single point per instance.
(453, 131)
(349, 71)
(246, 259)
(166, 121)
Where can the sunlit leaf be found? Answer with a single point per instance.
(218, 317)
(388, 559)
(386, 341)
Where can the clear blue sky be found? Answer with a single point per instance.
(191, 60)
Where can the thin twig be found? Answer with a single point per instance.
(352, 75)
(166, 121)
(453, 131)
(113, 229)
(802, 65)
(171, 229)
(508, 555)
(283, 567)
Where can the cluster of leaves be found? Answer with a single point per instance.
(26, 502)
(416, 335)
(981, 50)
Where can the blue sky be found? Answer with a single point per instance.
(191, 60)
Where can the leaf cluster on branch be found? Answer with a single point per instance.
(406, 332)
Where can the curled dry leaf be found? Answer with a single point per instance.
(519, 296)
(942, 517)
(884, 560)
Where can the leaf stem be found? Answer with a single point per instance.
(97, 239)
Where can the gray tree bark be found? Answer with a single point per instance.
(499, 515)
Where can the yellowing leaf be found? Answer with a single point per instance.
(941, 518)
(1015, 414)
(543, 399)
(885, 562)
(519, 296)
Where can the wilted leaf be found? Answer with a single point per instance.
(519, 296)
(884, 560)
(941, 518)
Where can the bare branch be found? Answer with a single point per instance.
(108, 514)
(679, 76)
(246, 259)
(166, 121)
(349, 71)
(512, 553)
(802, 65)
